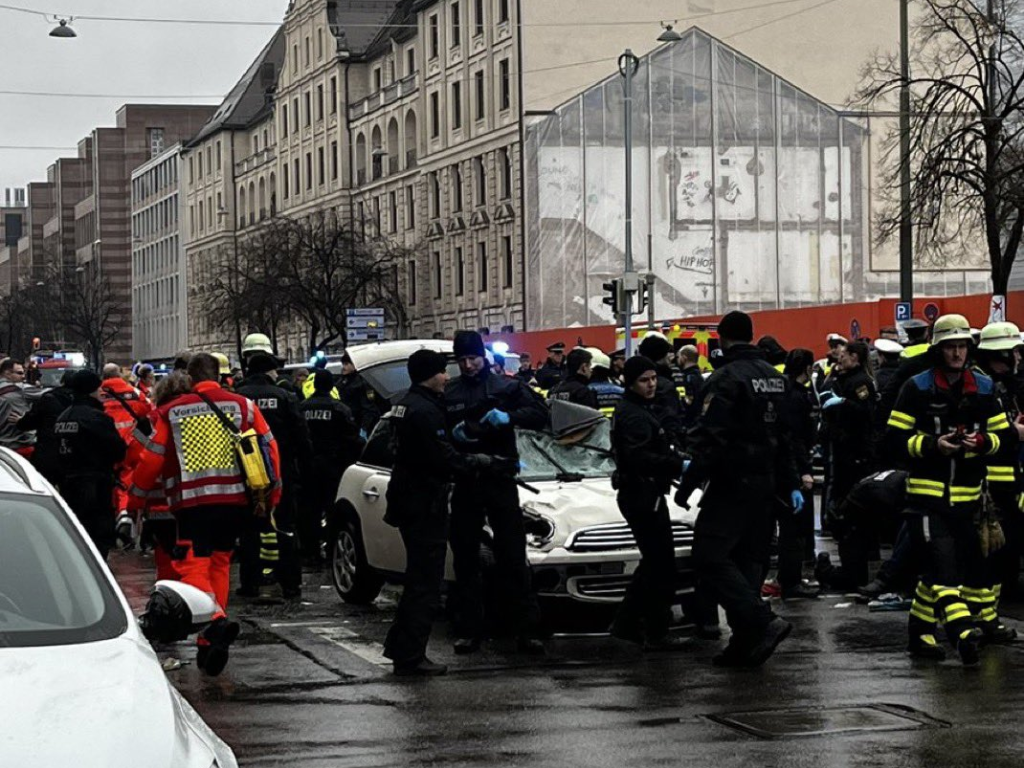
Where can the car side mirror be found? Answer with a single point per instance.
(175, 610)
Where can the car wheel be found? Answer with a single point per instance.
(354, 580)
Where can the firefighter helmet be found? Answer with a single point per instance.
(223, 363)
(257, 342)
(950, 328)
(999, 337)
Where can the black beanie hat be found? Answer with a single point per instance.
(469, 344)
(323, 381)
(736, 326)
(85, 382)
(654, 347)
(637, 367)
(425, 363)
(261, 362)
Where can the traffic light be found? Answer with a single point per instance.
(641, 297)
(616, 296)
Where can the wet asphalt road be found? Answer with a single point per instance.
(306, 686)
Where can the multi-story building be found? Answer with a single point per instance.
(13, 220)
(159, 301)
(29, 265)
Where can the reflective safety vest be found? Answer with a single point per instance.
(308, 388)
(608, 395)
(930, 407)
(914, 351)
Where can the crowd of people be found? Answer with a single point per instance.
(918, 445)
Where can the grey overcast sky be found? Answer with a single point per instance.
(136, 59)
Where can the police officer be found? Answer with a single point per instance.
(417, 497)
(741, 451)
(574, 388)
(889, 352)
(823, 368)
(914, 359)
(656, 348)
(483, 411)
(89, 448)
(525, 374)
(269, 548)
(646, 463)
(693, 383)
(554, 368)
(359, 397)
(42, 418)
(949, 428)
(336, 446)
(608, 393)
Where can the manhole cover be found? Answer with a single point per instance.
(792, 723)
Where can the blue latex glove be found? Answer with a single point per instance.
(832, 402)
(686, 467)
(496, 418)
(363, 436)
(459, 434)
(797, 500)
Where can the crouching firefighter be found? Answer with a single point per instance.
(948, 427)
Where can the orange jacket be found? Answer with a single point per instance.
(125, 419)
(193, 453)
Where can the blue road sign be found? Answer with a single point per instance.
(902, 311)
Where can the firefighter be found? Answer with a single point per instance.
(336, 446)
(484, 410)
(90, 449)
(574, 388)
(193, 454)
(742, 452)
(949, 428)
(646, 464)
(999, 355)
(417, 497)
(359, 397)
(554, 368)
(608, 393)
(269, 551)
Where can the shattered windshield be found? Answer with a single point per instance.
(545, 457)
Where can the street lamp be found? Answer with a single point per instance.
(669, 35)
(628, 64)
(62, 29)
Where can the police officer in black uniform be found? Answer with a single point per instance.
(425, 462)
(741, 451)
(336, 446)
(89, 448)
(269, 548)
(483, 410)
(667, 403)
(574, 388)
(42, 418)
(646, 463)
(554, 368)
(692, 381)
(359, 397)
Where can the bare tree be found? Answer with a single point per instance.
(88, 308)
(966, 132)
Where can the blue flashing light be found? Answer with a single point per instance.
(500, 348)
(312, 360)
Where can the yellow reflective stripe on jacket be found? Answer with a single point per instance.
(960, 494)
(607, 411)
(901, 420)
(997, 422)
(920, 487)
(1000, 474)
(915, 446)
(994, 443)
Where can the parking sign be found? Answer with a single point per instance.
(902, 311)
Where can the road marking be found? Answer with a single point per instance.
(367, 650)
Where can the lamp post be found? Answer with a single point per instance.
(628, 63)
(906, 228)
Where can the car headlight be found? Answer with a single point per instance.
(540, 529)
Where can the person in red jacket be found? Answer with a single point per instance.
(193, 452)
(129, 408)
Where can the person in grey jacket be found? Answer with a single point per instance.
(16, 399)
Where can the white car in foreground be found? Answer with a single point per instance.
(80, 684)
(578, 545)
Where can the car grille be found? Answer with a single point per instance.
(606, 538)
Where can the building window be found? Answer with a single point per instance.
(410, 207)
(218, 153)
(502, 11)
(412, 282)
(434, 36)
(321, 166)
(307, 97)
(376, 214)
(506, 85)
(334, 95)
(506, 173)
(481, 250)
(460, 272)
(200, 164)
(319, 44)
(480, 179)
(297, 180)
(438, 275)
(334, 161)
(507, 246)
(305, 58)
(410, 61)
(319, 102)
(456, 27)
(478, 78)
(435, 116)
(362, 219)
(191, 171)
(284, 181)
(435, 195)
(376, 79)
(295, 60)
(309, 170)
(478, 17)
(284, 120)
(456, 189)
(456, 105)
(392, 212)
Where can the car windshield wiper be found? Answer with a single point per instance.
(563, 475)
